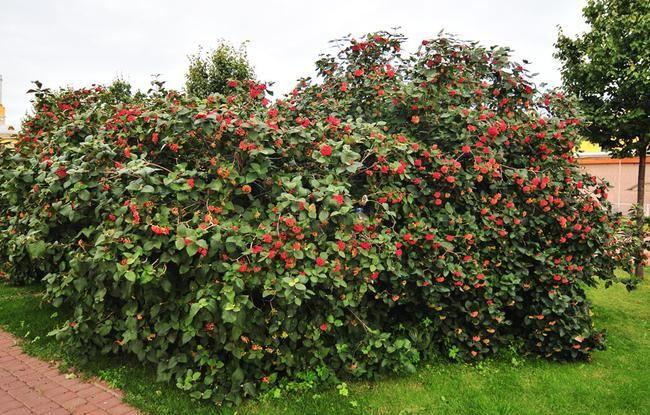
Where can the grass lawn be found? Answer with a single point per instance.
(617, 381)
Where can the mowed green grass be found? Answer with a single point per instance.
(617, 381)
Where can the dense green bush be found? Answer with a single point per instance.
(402, 206)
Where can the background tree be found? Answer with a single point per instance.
(608, 69)
(209, 73)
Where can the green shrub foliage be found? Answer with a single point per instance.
(398, 207)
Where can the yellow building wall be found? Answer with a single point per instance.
(589, 147)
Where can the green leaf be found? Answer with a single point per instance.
(237, 377)
(36, 249)
(84, 195)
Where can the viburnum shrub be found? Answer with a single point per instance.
(398, 207)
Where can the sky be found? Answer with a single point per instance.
(81, 42)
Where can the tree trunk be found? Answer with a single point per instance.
(640, 201)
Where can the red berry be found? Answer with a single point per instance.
(326, 150)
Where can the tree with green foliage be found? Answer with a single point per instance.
(608, 69)
(210, 72)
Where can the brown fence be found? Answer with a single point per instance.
(622, 176)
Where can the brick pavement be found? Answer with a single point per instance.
(32, 386)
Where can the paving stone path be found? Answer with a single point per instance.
(32, 386)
